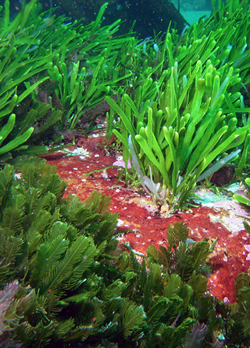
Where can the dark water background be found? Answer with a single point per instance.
(150, 16)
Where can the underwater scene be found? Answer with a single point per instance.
(125, 173)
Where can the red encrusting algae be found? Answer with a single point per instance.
(137, 213)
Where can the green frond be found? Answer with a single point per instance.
(112, 308)
(33, 199)
(179, 231)
(13, 215)
(172, 286)
(58, 229)
(75, 213)
(37, 228)
(184, 261)
(72, 233)
(44, 202)
(200, 252)
(68, 271)
(242, 281)
(162, 256)
(64, 328)
(44, 179)
(89, 252)
(81, 332)
(10, 250)
(153, 284)
(143, 274)
(157, 310)
(44, 332)
(98, 203)
(6, 178)
(198, 282)
(174, 309)
(124, 263)
(166, 334)
(82, 297)
(186, 293)
(49, 253)
(114, 290)
(132, 319)
(130, 280)
(104, 229)
(109, 330)
(54, 184)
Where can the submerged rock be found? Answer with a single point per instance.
(150, 16)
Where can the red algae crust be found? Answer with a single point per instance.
(145, 226)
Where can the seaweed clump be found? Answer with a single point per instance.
(52, 72)
(185, 116)
(64, 282)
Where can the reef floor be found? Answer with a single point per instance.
(217, 217)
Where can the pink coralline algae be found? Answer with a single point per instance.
(247, 247)
(121, 163)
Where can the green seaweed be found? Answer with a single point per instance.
(64, 282)
(50, 64)
(17, 141)
(191, 118)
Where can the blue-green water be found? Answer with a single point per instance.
(147, 17)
